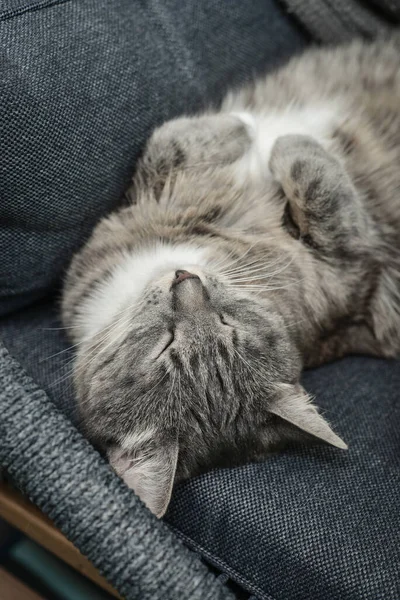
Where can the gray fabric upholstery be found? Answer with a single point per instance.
(333, 21)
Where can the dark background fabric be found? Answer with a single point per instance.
(82, 85)
(334, 21)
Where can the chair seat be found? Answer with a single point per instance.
(310, 523)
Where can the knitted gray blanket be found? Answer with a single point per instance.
(47, 458)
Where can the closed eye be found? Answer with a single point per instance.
(224, 321)
(168, 341)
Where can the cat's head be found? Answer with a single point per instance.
(192, 373)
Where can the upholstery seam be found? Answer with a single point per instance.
(225, 568)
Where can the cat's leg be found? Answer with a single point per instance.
(323, 208)
(326, 213)
(355, 338)
(195, 143)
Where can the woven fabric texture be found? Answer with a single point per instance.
(333, 21)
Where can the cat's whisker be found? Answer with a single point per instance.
(172, 386)
(266, 275)
(155, 385)
(144, 396)
(242, 256)
(259, 287)
(256, 261)
(222, 260)
(256, 266)
(91, 351)
(45, 358)
(93, 339)
(270, 274)
(252, 268)
(80, 343)
(258, 270)
(226, 264)
(62, 379)
(294, 323)
(111, 341)
(180, 405)
(258, 363)
(250, 278)
(251, 368)
(72, 347)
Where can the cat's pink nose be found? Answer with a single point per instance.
(181, 275)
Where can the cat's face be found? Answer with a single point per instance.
(198, 373)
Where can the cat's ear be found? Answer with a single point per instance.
(293, 404)
(148, 469)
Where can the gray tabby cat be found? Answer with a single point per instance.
(260, 239)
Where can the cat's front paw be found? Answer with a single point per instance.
(321, 204)
(304, 169)
(191, 144)
(198, 142)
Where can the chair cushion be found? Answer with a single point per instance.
(313, 523)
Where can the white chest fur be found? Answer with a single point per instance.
(126, 284)
(265, 129)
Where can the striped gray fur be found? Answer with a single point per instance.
(319, 242)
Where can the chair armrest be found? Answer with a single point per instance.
(25, 516)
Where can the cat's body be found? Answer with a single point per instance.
(261, 238)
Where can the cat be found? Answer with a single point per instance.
(259, 239)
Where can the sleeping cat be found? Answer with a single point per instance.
(260, 238)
